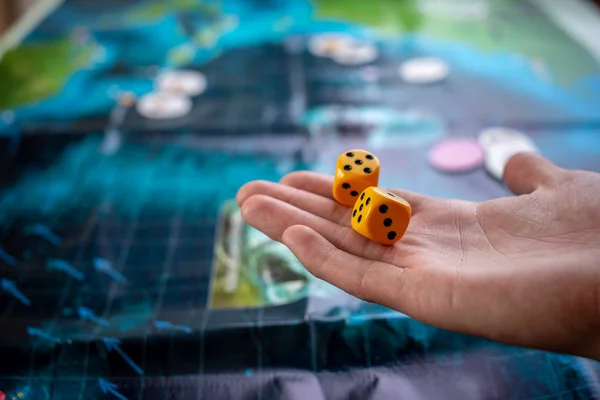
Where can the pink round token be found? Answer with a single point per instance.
(456, 155)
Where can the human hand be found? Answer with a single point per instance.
(521, 270)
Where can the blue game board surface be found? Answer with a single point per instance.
(125, 269)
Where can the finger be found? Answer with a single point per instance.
(526, 172)
(312, 203)
(426, 294)
(322, 185)
(369, 280)
(273, 217)
(309, 181)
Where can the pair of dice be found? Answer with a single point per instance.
(379, 215)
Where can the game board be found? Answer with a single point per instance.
(125, 268)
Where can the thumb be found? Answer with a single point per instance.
(526, 172)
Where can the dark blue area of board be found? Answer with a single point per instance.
(377, 360)
(249, 93)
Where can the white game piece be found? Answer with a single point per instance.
(356, 54)
(164, 105)
(499, 135)
(327, 44)
(498, 155)
(192, 83)
(426, 70)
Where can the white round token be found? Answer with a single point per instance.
(327, 44)
(490, 137)
(356, 54)
(164, 105)
(498, 155)
(190, 82)
(500, 144)
(424, 70)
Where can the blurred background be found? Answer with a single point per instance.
(10, 11)
(127, 127)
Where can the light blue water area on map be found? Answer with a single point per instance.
(392, 127)
(590, 85)
(177, 177)
(560, 146)
(145, 44)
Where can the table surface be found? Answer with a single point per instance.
(125, 268)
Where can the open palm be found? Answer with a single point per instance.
(522, 270)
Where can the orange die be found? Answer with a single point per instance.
(381, 216)
(355, 171)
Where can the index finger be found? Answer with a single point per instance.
(310, 181)
(393, 286)
(322, 185)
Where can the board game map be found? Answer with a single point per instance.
(125, 269)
